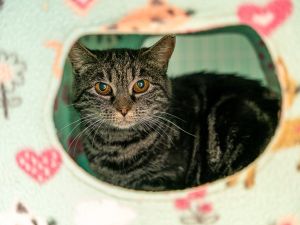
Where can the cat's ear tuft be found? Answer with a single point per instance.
(80, 56)
(161, 51)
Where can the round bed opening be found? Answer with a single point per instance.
(233, 50)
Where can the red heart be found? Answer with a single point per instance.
(41, 167)
(265, 19)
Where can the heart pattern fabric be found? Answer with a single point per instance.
(265, 19)
(39, 166)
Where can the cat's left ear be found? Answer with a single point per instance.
(161, 52)
(81, 56)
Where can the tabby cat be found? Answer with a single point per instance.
(145, 131)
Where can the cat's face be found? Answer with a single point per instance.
(121, 88)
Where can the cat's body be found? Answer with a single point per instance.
(223, 119)
(183, 132)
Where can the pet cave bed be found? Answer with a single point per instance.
(40, 180)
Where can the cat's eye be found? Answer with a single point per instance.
(141, 86)
(103, 88)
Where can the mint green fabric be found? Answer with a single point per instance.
(35, 170)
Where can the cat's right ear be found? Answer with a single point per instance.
(80, 56)
(161, 52)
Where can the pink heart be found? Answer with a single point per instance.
(266, 18)
(82, 4)
(41, 167)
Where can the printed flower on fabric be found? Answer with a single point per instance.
(195, 209)
(11, 76)
(288, 220)
(105, 212)
(11, 71)
(155, 15)
(19, 214)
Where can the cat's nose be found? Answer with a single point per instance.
(123, 110)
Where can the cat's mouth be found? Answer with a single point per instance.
(125, 125)
(124, 122)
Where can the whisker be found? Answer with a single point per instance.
(86, 120)
(101, 122)
(165, 119)
(171, 115)
(76, 121)
(159, 127)
(78, 136)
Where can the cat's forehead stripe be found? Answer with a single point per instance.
(129, 74)
(114, 56)
(107, 74)
(121, 69)
(113, 73)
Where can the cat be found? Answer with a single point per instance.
(142, 130)
(20, 215)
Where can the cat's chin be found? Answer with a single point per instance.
(124, 125)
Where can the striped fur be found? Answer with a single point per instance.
(181, 133)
